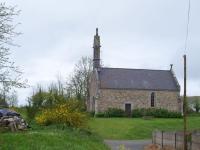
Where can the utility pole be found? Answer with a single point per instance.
(185, 106)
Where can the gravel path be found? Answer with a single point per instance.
(128, 144)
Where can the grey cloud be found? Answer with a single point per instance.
(134, 34)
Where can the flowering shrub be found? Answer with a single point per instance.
(67, 113)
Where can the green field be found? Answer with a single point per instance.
(51, 138)
(56, 138)
(137, 128)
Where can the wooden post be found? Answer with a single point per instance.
(153, 137)
(190, 141)
(175, 140)
(162, 139)
(185, 106)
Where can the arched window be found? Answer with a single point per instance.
(152, 99)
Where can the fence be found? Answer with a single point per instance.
(196, 141)
(176, 139)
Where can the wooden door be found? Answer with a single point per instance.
(128, 110)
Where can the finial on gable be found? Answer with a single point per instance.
(96, 31)
(171, 66)
(96, 39)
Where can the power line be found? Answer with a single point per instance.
(188, 22)
(185, 95)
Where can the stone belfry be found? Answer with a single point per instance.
(96, 53)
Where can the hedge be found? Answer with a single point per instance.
(111, 112)
(155, 112)
(140, 112)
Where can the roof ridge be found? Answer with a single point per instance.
(137, 79)
(134, 69)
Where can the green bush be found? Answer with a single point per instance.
(137, 113)
(155, 112)
(114, 112)
(99, 115)
(140, 112)
(194, 114)
(91, 114)
(31, 112)
(111, 112)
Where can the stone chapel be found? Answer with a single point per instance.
(129, 89)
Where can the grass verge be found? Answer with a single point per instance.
(137, 128)
(51, 138)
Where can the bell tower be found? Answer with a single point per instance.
(96, 51)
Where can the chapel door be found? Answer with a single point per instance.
(128, 110)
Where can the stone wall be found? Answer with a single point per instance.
(137, 99)
(93, 91)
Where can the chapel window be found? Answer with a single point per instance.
(152, 99)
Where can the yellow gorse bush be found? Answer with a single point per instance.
(68, 113)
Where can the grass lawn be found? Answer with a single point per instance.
(51, 138)
(137, 128)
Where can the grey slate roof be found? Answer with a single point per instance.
(140, 79)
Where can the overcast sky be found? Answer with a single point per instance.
(147, 34)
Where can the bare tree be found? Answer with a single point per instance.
(77, 86)
(60, 85)
(12, 99)
(10, 75)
